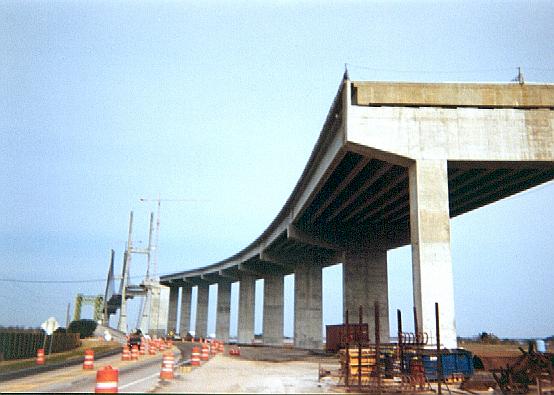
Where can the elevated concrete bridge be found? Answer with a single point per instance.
(393, 163)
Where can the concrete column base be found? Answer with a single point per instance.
(172, 309)
(364, 277)
(223, 310)
(431, 255)
(274, 286)
(202, 311)
(308, 318)
(186, 296)
(247, 293)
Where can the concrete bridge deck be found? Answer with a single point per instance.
(393, 163)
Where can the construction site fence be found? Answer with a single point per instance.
(20, 344)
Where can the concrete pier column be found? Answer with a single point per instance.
(247, 294)
(186, 296)
(274, 286)
(223, 310)
(308, 318)
(202, 310)
(364, 281)
(172, 309)
(431, 255)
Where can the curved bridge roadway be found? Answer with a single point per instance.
(393, 163)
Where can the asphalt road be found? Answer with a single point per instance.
(134, 376)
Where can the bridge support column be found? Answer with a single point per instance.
(274, 286)
(431, 255)
(247, 294)
(364, 279)
(308, 319)
(156, 321)
(186, 294)
(202, 310)
(172, 309)
(223, 310)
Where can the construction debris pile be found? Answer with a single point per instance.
(405, 366)
(531, 368)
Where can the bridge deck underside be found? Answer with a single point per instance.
(366, 198)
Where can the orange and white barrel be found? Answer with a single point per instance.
(107, 380)
(168, 362)
(145, 348)
(221, 347)
(40, 356)
(152, 350)
(142, 351)
(213, 348)
(134, 353)
(88, 363)
(126, 354)
(195, 357)
(205, 352)
(162, 346)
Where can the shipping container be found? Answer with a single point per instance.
(453, 362)
(336, 336)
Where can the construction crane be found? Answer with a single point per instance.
(150, 304)
(149, 289)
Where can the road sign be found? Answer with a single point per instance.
(50, 325)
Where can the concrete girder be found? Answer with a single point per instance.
(276, 260)
(323, 164)
(396, 181)
(343, 184)
(369, 182)
(198, 281)
(243, 267)
(478, 180)
(400, 195)
(300, 236)
(389, 213)
(506, 190)
(469, 180)
(224, 273)
(211, 278)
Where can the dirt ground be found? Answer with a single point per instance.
(259, 370)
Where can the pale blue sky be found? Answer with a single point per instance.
(102, 103)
